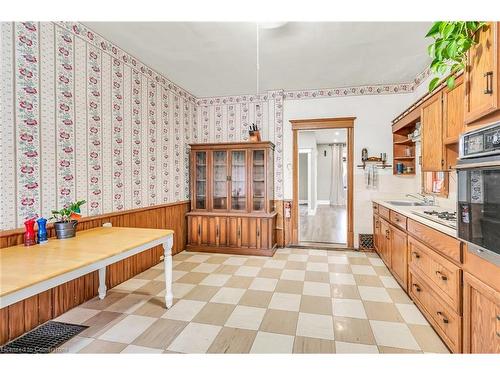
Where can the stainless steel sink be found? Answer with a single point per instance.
(406, 203)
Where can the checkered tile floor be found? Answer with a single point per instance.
(299, 301)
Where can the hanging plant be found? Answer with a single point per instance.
(452, 40)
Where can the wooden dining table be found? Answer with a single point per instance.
(29, 270)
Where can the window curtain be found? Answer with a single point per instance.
(337, 191)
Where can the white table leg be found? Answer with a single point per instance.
(167, 248)
(102, 283)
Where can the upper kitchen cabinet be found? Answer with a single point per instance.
(481, 76)
(432, 134)
(453, 122)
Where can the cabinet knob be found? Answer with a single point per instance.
(445, 319)
(417, 287)
(441, 275)
(416, 255)
(489, 83)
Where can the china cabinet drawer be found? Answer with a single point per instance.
(445, 321)
(398, 220)
(440, 273)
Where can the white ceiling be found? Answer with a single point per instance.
(219, 58)
(327, 135)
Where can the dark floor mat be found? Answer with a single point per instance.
(43, 339)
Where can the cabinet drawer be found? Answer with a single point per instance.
(375, 208)
(398, 220)
(442, 243)
(445, 321)
(384, 212)
(442, 275)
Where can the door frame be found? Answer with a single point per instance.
(317, 124)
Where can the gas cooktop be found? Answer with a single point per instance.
(442, 217)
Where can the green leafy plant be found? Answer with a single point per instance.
(68, 213)
(452, 40)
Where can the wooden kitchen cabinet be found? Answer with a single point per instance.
(481, 317)
(481, 76)
(376, 233)
(453, 122)
(432, 134)
(399, 255)
(384, 242)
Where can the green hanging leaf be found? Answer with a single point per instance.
(450, 82)
(433, 83)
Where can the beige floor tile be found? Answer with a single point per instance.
(100, 304)
(274, 263)
(233, 340)
(318, 258)
(345, 291)
(285, 301)
(318, 267)
(74, 345)
(382, 311)
(362, 270)
(427, 339)
(338, 259)
(349, 308)
(359, 261)
(183, 255)
(389, 282)
(260, 283)
(299, 251)
(155, 308)
(242, 282)
(316, 305)
(247, 271)
(296, 275)
(372, 293)
(382, 270)
(77, 315)
(290, 286)
(398, 295)
(149, 274)
(135, 349)
(186, 266)
(206, 268)
(216, 259)
(355, 253)
(195, 338)
(184, 310)
(130, 285)
(227, 269)
(102, 346)
(176, 275)
(293, 265)
(192, 278)
(312, 288)
(128, 329)
(311, 345)
(246, 317)
(351, 348)
(270, 273)
(411, 314)
(215, 279)
(279, 256)
(198, 258)
(101, 322)
(298, 257)
(152, 288)
(396, 335)
(129, 303)
(376, 261)
(339, 268)
(255, 262)
(235, 261)
(256, 298)
(202, 293)
(214, 313)
(353, 330)
(228, 295)
(315, 325)
(180, 289)
(279, 321)
(316, 276)
(367, 280)
(318, 252)
(389, 350)
(342, 278)
(266, 342)
(160, 334)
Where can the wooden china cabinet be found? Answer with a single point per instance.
(232, 192)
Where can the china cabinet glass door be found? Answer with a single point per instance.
(238, 180)
(219, 163)
(258, 180)
(201, 180)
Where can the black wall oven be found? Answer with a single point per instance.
(478, 209)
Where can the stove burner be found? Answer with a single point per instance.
(445, 215)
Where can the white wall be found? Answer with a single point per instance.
(372, 129)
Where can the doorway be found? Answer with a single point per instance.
(322, 182)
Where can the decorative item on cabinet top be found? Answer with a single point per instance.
(232, 190)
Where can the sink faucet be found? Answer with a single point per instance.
(428, 200)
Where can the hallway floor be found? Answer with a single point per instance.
(299, 301)
(329, 224)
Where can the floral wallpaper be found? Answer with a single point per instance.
(82, 119)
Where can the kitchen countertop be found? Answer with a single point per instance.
(407, 211)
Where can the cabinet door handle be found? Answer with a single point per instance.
(199, 229)
(498, 317)
(377, 224)
(416, 255)
(258, 232)
(489, 83)
(239, 232)
(217, 230)
(441, 275)
(417, 287)
(445, 319)
(387, 234)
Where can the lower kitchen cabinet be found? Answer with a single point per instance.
(481, 317)
(384, 242)
(399, 255)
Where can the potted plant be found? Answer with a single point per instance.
(66, 220)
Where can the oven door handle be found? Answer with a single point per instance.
(485, 164)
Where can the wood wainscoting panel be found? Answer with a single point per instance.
(25, 315)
